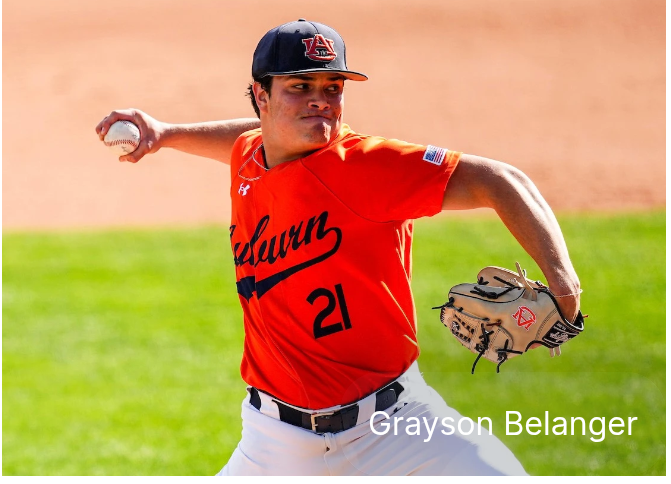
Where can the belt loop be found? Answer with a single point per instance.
(388, 396)
(366, 409)
(254, 398)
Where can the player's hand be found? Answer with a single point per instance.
(569, 306)
(151, 131)
(566, 291)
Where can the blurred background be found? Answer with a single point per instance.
(122, 333)
(572, 92)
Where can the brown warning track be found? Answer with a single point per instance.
(571, 92)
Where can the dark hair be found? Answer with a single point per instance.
(266, 83)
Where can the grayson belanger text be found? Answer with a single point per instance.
(514, 424)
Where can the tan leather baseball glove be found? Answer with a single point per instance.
(504, 314)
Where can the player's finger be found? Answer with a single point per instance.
(118, 115)
(142, 149)
(99, 127)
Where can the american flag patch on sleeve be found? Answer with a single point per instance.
(434, 155)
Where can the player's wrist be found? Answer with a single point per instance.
(168, 135)
(565, 288)
(564, 283)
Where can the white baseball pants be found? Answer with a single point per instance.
(272, 447)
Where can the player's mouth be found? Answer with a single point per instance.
(317, 116)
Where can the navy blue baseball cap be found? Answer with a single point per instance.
(300, 47)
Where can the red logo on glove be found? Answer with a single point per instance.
(525, 317)
(319, 49)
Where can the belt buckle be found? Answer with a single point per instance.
(315, 415)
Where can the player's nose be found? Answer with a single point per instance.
(319, 101)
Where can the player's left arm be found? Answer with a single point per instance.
(480, 182)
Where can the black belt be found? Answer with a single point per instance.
(336, 421)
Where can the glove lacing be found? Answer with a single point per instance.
(491, 294)
(503, 354)
(484, 344)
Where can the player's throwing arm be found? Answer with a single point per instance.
(132, 134)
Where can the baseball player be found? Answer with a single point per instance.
(321, 232)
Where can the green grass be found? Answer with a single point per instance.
(121, 349)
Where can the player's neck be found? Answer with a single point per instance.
(275, 154)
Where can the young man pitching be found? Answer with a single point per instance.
(321, 231)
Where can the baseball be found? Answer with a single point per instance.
(122, 138)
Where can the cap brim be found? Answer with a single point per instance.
(351, 75)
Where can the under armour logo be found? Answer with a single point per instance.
(243, 189)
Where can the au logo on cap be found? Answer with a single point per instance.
(319, 49)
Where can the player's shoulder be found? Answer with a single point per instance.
(245, 144)
(249, 138)
(354, 146)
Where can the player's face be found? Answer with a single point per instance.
(304, 111)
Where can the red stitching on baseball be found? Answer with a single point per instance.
(122, 141)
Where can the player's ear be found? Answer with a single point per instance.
(262, 97)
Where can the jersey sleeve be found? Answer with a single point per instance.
(384, 180)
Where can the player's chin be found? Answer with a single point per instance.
(319, 131)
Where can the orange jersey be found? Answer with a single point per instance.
(322, 249)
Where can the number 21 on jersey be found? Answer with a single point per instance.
(334, 301)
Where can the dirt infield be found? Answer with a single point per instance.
(572, 92)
